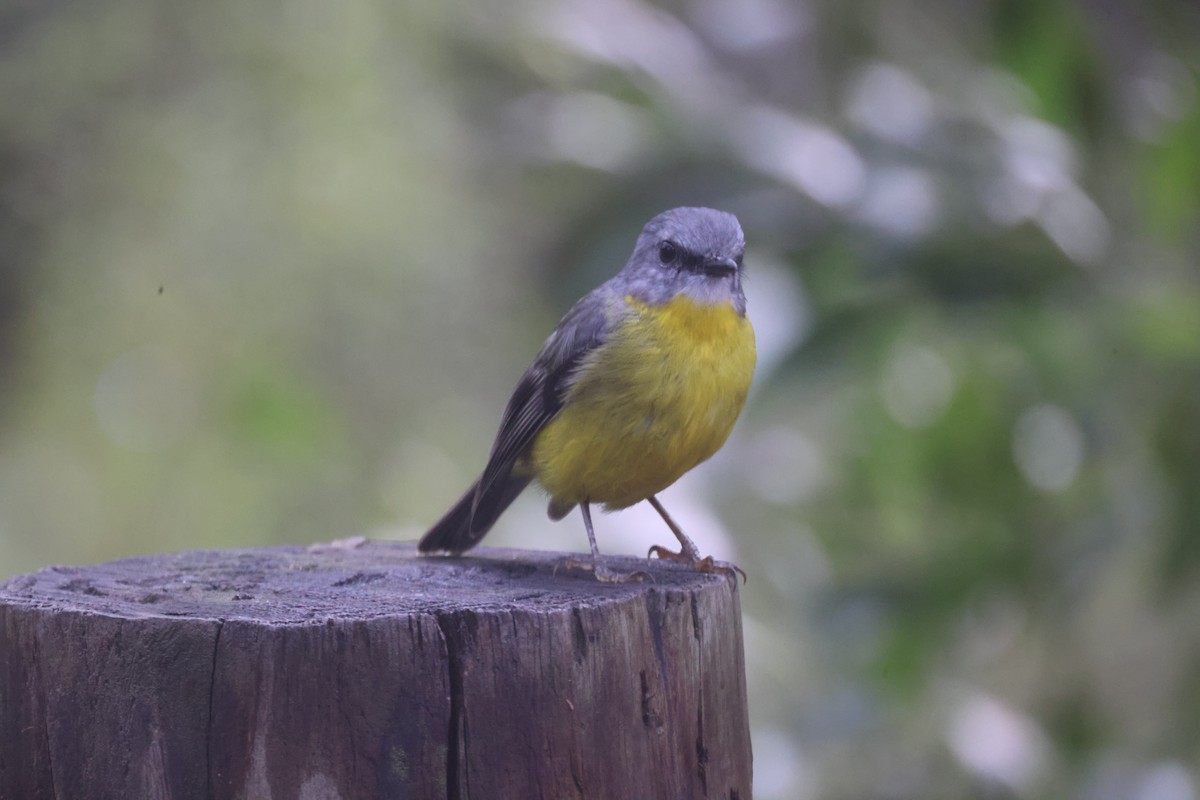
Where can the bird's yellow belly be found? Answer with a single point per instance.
(659, 397)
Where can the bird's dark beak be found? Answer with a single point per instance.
(716, 266)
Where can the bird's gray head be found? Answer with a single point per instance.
(693, 250)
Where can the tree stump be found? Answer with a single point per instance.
(364, 671)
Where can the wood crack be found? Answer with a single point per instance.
(454, 741)
(212, 694)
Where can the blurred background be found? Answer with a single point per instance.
(269, 271)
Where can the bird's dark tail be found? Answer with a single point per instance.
(459, 529)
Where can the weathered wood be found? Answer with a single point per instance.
(369, 672)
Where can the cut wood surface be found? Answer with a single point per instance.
(362, 670)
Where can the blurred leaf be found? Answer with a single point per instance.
(1169, 179)
(1166, 325)
(1177, 437)
(1045, 43)
(280, 418)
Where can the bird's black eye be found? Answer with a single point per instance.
(667, 252)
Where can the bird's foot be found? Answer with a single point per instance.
(603, 572)
(707, 564)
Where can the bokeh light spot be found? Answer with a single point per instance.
(807, 155)
(1166, 781)
(890, 103)
(146, 399)
(780, 769)
(996, 742)
(1048, 447)
(917, 385)
(593, 130)
(785, 466)
(901, 201)
(751, 24)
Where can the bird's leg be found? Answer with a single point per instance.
(596, 566)
(688, 552)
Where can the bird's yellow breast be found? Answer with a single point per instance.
(660, 396)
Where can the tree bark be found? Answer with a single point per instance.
(362, 670)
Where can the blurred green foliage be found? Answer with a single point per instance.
(269, 271)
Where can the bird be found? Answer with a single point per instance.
(640, 381)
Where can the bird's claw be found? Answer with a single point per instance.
(604, 574)
(706, 565)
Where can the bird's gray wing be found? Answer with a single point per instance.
(539, 396)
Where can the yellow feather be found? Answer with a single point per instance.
(659, 397)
